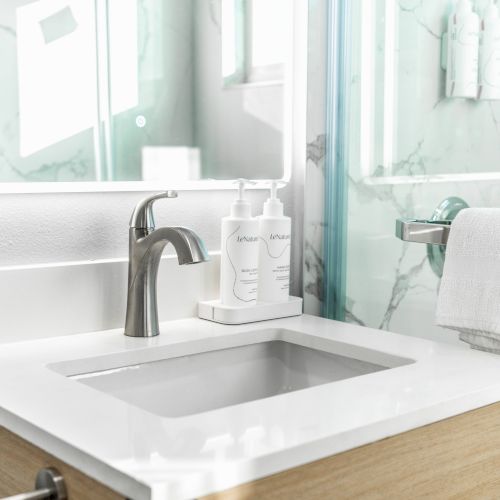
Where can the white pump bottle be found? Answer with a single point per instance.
(239, 253)
(463, 51)
(274, 251)
(489, 54)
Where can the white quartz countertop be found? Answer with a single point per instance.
(145, 456)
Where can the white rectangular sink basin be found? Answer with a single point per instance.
(195, 382)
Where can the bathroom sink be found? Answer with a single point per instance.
(201, 381)
(203, 408)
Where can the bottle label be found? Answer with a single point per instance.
(274, 279)
(239, 268)
(247, 239)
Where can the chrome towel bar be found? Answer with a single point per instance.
(432, 232)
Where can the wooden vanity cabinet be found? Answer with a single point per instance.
(456, 458)
(20, 461)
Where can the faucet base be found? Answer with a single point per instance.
(142, 335)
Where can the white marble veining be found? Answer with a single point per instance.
(407, 151)
(71, 159)
(438, 147)
(314, 188)
(146, 456)
(167, 108)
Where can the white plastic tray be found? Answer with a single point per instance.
(213, 310)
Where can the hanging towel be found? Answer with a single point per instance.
(469, 294)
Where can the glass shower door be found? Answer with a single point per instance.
(398, 148)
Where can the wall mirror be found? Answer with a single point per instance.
(138, 94)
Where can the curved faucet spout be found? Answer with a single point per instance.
(188, 245)
(145, 249)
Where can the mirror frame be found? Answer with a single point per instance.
(294, 135)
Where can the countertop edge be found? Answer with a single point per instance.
(262, 467)
(329, 446)
(93, 467)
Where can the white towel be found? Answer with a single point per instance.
(469, 294)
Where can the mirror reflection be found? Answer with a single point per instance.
(153, 90)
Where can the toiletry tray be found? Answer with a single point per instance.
(213, 310)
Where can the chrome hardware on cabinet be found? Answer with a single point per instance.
(49, 485)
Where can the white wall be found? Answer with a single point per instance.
(64, 299)
(48, 228)
(38, 300)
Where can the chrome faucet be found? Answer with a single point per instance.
(146, 245)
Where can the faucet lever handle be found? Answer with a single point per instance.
(142, 216)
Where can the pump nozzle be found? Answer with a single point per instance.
(274, 188)
(273, 206)
(464, 6)
(242, 183)
(491, 11)
(241, 207)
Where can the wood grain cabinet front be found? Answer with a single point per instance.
(456, 458)
(20, 461)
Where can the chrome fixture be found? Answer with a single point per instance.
(434, 231)
(146, 245)
(423, 231)
(49, 485)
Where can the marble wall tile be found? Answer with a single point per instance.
(403, 169)
(315, 167)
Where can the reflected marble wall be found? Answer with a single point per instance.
(163, 114)
(68, 160)
(168, 82)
